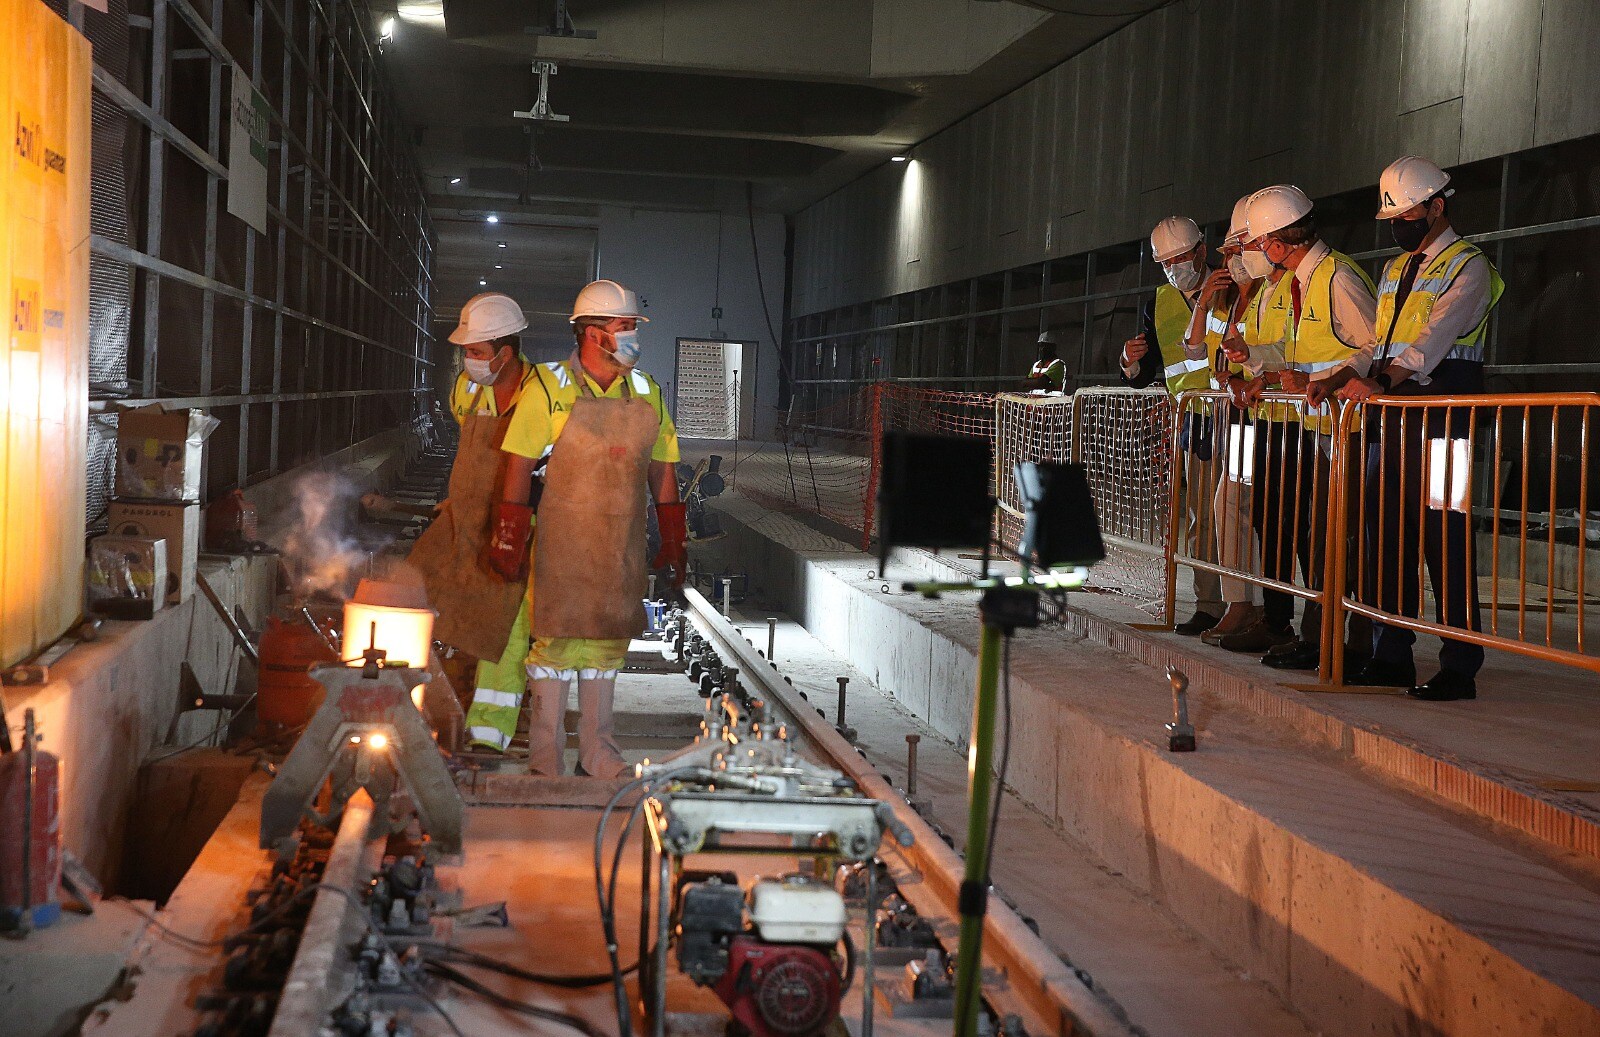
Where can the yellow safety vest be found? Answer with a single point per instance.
(1268, 325)
(1055, 370)
(1172, 320)
(1395, 335)
(1312, 345)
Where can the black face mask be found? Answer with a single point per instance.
(1408, 234)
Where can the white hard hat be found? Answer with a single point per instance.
(1409, 181)
(487, 317)
(1236, 224)
(1172, 237)
(1274, 208)
(607, 299)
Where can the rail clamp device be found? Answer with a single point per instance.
(366, 735)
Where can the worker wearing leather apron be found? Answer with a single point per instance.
(480, 612)
(603, 431)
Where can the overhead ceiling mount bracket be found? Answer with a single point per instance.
(561, 26)
(540, 112)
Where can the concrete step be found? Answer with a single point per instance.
(1369, 905)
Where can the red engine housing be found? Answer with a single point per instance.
(780, 989)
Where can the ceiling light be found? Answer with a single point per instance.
(454, 181)
(491, 218)
(482, 283)
(386, 31)
(501, 244)
(497, 266)
(901, 158)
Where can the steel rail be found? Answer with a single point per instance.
(322, 963)
(1023, 975)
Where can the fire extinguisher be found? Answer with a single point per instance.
(30, 835)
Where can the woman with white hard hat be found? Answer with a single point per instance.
(1158, 351)
(481, 612)
(602, 429)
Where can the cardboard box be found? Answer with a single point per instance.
(123, 572)
(161, 453)
(177, 524)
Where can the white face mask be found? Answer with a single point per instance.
(1256, 263)
(1239, 270)
(1183, 276)
(627, 351)
(481, 371)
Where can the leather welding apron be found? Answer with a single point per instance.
(476, 607)
(589, 568)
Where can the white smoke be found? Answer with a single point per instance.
(317, 537)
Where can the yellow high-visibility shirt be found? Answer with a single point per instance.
(468, 397)
(549, 397)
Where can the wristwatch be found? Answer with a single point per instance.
(1382, 378)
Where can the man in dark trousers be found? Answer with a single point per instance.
(1433, 310)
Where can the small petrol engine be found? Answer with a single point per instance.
(779, 973)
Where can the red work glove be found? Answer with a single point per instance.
(506, 553)
(673, 522)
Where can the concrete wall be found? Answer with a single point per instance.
(685, 263)
(113, 703)
(1192, 106)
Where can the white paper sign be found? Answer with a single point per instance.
(247, 154)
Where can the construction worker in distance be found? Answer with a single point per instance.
(1326, 309)
(1049, 373)
(601, 430)
(1433, 311)
(1176, 244)
(1218, 324)
(480, 612)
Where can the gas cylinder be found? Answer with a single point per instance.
(286, 694)
(30, 835)
(231, 523)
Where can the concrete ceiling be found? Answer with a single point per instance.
(682, 102)
(708, 105)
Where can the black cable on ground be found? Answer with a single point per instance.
(477, 959)
(500, 1000)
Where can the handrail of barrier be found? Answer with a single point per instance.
(1448, 475)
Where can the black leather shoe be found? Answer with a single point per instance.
(1196, 624)
(1446, 686)
(1380, 674)
(1297, 655)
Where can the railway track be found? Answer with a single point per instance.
(345, 936)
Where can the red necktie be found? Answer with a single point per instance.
(1294, 299)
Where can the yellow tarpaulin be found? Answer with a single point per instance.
(45, 70)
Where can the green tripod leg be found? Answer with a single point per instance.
(974, 887)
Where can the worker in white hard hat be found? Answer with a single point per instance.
(480, 613)
(1434, 301)
(601, 428)
(1217, 325)
(1049, 373)
(1326, 320)
(1176, 244)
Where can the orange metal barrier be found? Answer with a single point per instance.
(1491, 485)
(1467, 500)
(1270, 477)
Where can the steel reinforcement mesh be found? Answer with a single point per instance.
(1123, 438)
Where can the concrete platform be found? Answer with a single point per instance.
(1363, 897)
